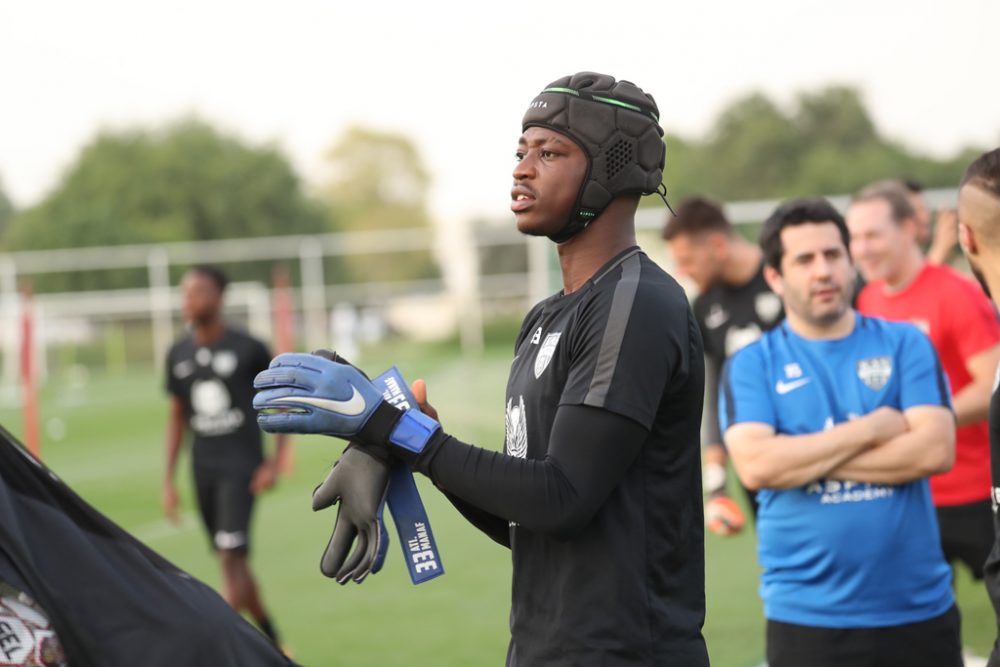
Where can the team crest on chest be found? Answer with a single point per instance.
(545, 353)
(516, 427)
(768, 306)
(224, 363)
(875, 372)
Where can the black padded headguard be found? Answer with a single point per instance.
(617, 126)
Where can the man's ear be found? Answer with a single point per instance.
(967, 239)
(774, 280)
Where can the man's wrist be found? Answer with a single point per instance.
(413, 430)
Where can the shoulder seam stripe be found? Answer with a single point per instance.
(614, 331)
(621, 261)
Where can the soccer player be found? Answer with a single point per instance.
(962, 324)
(210, 375)
(837, 419)
(979, 236)
(598, 492)
(733, 307)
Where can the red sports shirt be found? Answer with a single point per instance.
(961, 322)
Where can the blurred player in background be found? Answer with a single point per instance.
(598, 493)
(979, 235)
(837, 419)
(941, 238)
(733, 307)
(210, 375)
(962, 324)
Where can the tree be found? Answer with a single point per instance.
(6, 210)
(377, 180)
(827, 144)
(185, 182)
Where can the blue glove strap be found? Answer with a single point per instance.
(420, 551)
(413, 431)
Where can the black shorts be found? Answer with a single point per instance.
(933, 643)
(225, 504)
(967, 534)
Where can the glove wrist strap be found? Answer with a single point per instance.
(413, 431)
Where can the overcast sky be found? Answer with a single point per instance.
(456, 77)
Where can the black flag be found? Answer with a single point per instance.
(111, 600)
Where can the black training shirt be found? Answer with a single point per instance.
(215, 384)
(731, 317)
(625, 586)
(993, 560)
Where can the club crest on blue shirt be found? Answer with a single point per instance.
(875, 371)
(545, 353)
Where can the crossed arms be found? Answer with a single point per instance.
(883, 447)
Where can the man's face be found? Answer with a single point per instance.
(201, 299)
(547, 178)
(697, 257)
(978, 216)
(817, 278)
(878, 244)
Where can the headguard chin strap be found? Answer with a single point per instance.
(617, 126)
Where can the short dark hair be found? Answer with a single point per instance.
(213, 273)
(895, 193)
(798, 212)
(984, 172)
(912, 185)
(696, 215)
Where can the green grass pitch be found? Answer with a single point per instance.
(104, 436)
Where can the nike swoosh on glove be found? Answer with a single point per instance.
(359, 482)
(309, 393)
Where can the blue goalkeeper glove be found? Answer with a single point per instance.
(324, 394)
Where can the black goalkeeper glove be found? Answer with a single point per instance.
(359, 482)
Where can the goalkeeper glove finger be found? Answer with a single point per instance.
(723, 516)
(359, 483)
(312, 393)
(306, 393)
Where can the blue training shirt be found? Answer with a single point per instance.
(842, 554)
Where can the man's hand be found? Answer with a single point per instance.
(419, 389)
(323, 393)
(945, 237)
(170, 502)
(309, 393)
(265, 477)
(359, 482)
(886, 423)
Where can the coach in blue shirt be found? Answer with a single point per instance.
(838, 419)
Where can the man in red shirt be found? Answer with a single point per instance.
(962, 324)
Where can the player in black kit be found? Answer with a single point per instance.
(733, 307)
(210, 375)
(598, 493)
(979, 236)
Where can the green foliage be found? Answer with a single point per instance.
(6, 209)
(378, 181)
(827, 144)
(184, 182)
